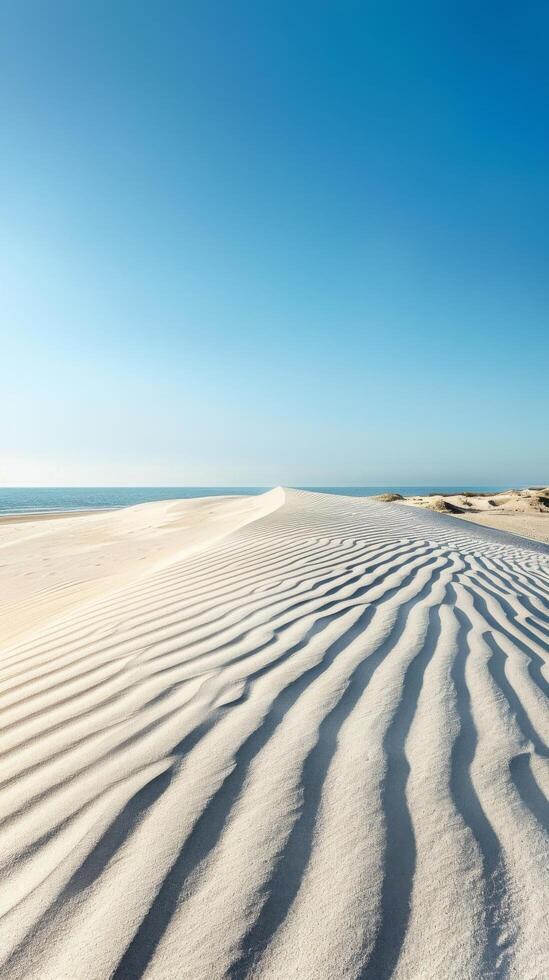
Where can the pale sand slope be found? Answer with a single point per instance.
(47, 565)
(313, 745)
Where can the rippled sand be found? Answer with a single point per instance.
(288, 736)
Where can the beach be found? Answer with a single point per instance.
(290, 735)
(523, 512)
(34, 517)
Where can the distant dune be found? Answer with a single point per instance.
(286, 736)
(524, 512)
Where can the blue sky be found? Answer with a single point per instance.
(277, 242)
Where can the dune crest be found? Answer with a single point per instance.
(295, 735)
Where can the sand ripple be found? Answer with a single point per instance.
(315, 748)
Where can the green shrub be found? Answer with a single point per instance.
(388, 498)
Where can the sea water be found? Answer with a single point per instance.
(27, 500)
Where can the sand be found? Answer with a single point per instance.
(523, 512)
(33, 517)
(287, 736)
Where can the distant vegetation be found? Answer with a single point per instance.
(462, 493)
(388, 498)
(445, 507)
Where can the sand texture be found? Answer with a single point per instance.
(287, 736)
(524, 512)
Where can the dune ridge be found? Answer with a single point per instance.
(295, 735)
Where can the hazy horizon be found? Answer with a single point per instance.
(25, 500)
(264, 487)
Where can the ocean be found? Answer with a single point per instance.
(28, 500)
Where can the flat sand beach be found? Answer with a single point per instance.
(294, 735)
(34, 517)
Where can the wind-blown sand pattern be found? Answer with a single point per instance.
(297, 735)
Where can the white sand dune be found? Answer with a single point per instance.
(296, 735)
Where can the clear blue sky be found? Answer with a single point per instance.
(274, 242)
